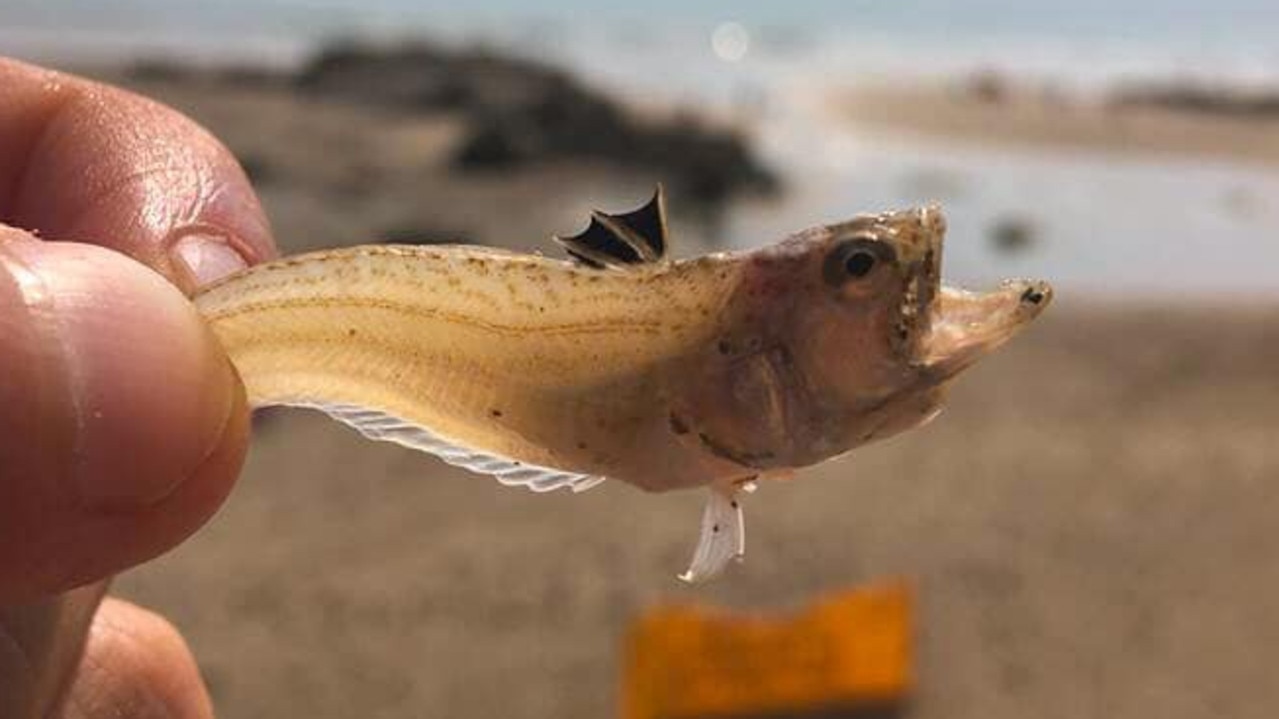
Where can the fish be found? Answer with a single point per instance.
(618, 362)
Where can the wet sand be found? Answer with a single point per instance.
(1031, 117)
(1091, 525)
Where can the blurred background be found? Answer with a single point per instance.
(1090, 526)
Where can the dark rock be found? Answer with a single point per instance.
(407, 77)
(522, 112)
(708, 165)
(988, 86)
(494, 147)
(1014, 234)
(1205, 98)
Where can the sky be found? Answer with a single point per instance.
(1186, 20)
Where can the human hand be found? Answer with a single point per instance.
(122, 424)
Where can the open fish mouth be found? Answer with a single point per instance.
(947, 329)
(966, 326)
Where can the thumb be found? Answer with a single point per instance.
(123, 424)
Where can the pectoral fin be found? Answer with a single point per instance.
(723, 536)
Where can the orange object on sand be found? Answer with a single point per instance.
(846, 654)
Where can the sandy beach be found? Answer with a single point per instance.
(1090, 525)
(986, 111)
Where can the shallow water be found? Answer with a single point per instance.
(1095, 223)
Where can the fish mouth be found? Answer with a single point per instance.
(947, 329)
(966, 326)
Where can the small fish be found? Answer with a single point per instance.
(717, 371)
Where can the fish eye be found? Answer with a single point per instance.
(856, 259)
(859, 264)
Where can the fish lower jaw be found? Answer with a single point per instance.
(967, 326)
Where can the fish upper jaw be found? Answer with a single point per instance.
(919, 235)
(966, 326)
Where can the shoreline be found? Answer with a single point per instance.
(995, 116)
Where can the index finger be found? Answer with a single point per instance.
(124, 425)
(84, 161)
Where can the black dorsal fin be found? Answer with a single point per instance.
(648, 225)
(601, 244)
(623, 240)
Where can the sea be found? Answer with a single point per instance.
(1104, 226)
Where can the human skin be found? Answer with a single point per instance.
(122, 424)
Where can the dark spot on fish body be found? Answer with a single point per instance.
(715, 528)
(745, 459)
(350, 332)
(678, 426)
(495, 413)
(581, 445)
(724, 347)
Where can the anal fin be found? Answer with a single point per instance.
(378, 425)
